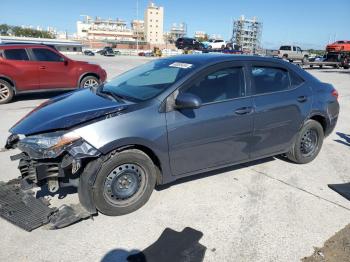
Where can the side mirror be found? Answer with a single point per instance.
(187, 101)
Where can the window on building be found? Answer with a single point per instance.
(270, 79)
(16, 54)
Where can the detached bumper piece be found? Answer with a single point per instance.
(22, 209)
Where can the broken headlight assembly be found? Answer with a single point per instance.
(49, 145)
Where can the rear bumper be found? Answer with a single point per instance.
(332, 112)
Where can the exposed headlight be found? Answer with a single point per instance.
(48, 145)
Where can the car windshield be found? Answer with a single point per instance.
(149, 80)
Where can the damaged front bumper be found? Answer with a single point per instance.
(59, 164)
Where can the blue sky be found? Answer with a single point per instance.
(297, 21)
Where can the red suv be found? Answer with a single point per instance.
(36, 68)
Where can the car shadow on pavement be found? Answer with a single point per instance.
(345, 137)
(39, 95)
(171, 246)
(218, 171)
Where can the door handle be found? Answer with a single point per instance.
(243, 110)
(42, 67)
(302, 99)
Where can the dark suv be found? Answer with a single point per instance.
(172, 118)
(37, 68)
(186, 43)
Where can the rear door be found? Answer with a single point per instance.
(20, 68)
(53, 71)
(217, 133)
(282, 101)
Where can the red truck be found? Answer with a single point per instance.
(38, 68)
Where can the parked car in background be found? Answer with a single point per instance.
(169, 119)
(187, 43)
(89, 53)
(38, 68)
(107, 51)
(292, 52)
(339, 46)
(215, 44)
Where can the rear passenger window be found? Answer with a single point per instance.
(295, 80)
(286, 48)
(220, 85)
(16, 54)
(42, 54)
(270, 79)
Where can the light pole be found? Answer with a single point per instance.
(137, 26)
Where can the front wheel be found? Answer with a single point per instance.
(307, 144)
(124, 183)
(305, 60)
(89, 81)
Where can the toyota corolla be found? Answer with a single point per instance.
(168, 119)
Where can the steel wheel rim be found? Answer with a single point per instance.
(4, 92)
(124, 184)
(309, 143)
(90, 83)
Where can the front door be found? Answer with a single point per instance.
(53, 72)
(217, 133)
(282, 101)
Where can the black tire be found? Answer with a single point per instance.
(305, 59)
(299, 153)
(105, 186)
(285, 56)
(84, 83)
(6, 92)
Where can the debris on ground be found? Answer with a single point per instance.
(335, 249)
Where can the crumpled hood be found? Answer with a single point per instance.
(66, 111)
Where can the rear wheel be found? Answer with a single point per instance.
(6, 92)
(307, 144)
(89, 81)
(124, 183)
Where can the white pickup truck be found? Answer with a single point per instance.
(292, 52)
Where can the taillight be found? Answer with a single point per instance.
(335, 93)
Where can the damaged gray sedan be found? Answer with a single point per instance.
(169, 119)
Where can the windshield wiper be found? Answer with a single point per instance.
(113, 95)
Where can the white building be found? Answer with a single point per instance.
(104, 29)
(154, 23)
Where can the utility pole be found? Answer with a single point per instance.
(137, 26)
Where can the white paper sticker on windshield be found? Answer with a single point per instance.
(181, 65)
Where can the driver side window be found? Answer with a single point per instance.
(220, 85)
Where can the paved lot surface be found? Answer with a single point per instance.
(270, 210)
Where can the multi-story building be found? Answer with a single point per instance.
(154, 23)
(138, 27)
(247, 34)
(104, 29)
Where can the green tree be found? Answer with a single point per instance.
(7, 30)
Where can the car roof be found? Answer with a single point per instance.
(201, 59)
(22, 45)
